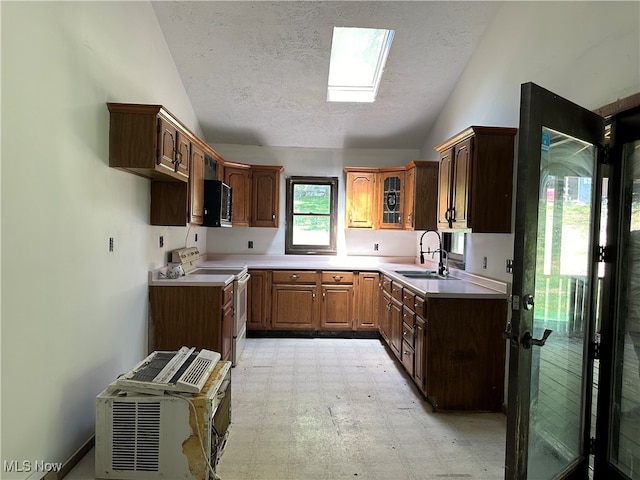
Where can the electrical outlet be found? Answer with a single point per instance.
(250, 244)
(111, 244)
(375, 247)
(484, 262)
(161, 241)
(509, 266)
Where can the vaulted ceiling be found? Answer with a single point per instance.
(256, 72)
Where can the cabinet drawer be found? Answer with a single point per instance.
(227, 294)
(409, 298)
(396, 291)
(408, 355)
(385, 284)
(408, 317)
(408, 334)
(337, 277)
(294, 276)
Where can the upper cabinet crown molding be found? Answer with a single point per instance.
(475, 186)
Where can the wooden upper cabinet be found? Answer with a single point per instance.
(360, 197)
(148, 141)
(265, 193)
(476, 180)
(237, 177)
(196, 185)
(389, 209)
(421, 195)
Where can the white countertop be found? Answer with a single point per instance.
(156, 279)
(464, 286)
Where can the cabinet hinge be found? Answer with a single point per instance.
(606, 155)
(605, 254)
(595, 349)
(592, 446)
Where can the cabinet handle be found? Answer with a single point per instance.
(337, 278)
(293, 276)
(273, 216)
(324, 294)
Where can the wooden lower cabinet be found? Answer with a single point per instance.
(395, 327)
(259, 300)
(336, 311)
(313, 300)
(452, 348)
(192, 316)
(294, 307)
(419, 352)
(465, 353)
(367, 301)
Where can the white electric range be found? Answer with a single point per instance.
(189, 258)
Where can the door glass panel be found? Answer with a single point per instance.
(565, 217)
(391, 201)
(624, 435)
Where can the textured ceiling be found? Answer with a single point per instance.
(256, 72)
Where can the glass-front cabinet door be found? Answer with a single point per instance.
(391, 199)
(574, 339)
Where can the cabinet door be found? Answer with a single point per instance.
(360, 197)
(409, 198)
(258, 299)
(419, 338)
(460, 185)
(385, 316)
(265, 195)
(190, 316)
(395, 321)
(293, 307)
(444, 188)
(238, 180)
(391, 198)
(337, 307)
(196, 186)
(183, 155)
(168, 142)
(367, 301)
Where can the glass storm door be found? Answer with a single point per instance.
(554, 278)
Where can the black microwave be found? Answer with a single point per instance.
(217, 204)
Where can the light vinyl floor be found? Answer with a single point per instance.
(322, 409)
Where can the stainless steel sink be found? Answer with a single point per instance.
(425, 274)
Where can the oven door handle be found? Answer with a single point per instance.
(244, 280)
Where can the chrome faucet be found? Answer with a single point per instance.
(442, 270)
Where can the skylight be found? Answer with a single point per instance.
(358, 56)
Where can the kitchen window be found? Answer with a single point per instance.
(455, 244)
(311, 215)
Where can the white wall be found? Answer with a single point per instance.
(312, 161)
(74, 315)
(587, 52)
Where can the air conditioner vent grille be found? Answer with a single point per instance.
(136, 436)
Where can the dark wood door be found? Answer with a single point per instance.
(265, 195)
(238, 179)
(368, 301)
(196, 186)
(337, 307)
(462, 165)
(294, 307)
(361, 188)
(444, 188)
